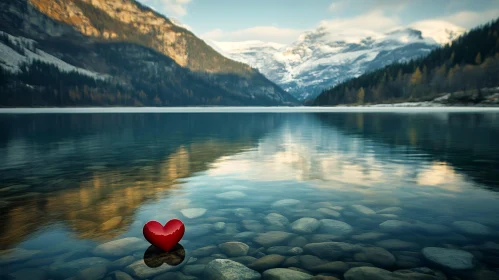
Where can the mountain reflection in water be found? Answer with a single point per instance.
(80, 180)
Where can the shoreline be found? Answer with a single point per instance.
(280, 109)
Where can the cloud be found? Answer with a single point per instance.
(470, 19)
(176, 8)
(261, 33)
(373, 23)
(439, 30)
(358, 6)
(336, 6)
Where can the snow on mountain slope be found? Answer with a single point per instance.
(25, 51)
(317, 61)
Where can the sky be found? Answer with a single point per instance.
(282, 21)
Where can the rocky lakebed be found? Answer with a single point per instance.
(288, 240)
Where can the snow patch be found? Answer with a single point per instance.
(12, 60)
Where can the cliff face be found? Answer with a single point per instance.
(104, 36)
(119, 20)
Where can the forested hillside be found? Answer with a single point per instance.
(116, 53)
(470, 63)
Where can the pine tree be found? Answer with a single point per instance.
(478, 59)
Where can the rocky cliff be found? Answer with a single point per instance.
(121, 39)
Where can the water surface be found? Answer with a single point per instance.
(389, 184)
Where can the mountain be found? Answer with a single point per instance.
(320, 59)
(463, 72)
(116, 52)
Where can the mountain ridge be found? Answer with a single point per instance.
(316, 61)
(81, 33)
(462, 72)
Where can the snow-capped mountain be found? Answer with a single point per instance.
(318, 60)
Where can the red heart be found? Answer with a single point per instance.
(164, 237)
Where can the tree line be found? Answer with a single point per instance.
(470, 62)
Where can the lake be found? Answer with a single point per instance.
(351, 194)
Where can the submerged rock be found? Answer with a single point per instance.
(323, 277)
(433, 229)
(471, 228)
(228, 270)
(396, 244)
(368, 236)
(323, 237)
(198, 230)
(395, 226)
(267, 262)
(245, 260)
(272, 238)
(309, 261)
(194, 269)
(390, 210)
(335, 227)
(361, 209)
(91, 273)
(120, 263)
(29, 273)
(252, 225)
(242, 212)
(334, 267)
(329, 212)
(16, 255)
(231, 195)
(376, 255)
(120, 247)
(204, 251)
(177, 275)
(285, 250)
(305, 225)
(374, 273)
(298, 241)
(68, 269)
(234, 249)
(192, 213)
(407, 261)
(285, 274)
(245, 235)
(139, 269)
(324, 204)
(330, 250)
(219, 226)
(285, 203)
(449, 258)
(120, 275)
(276, 220)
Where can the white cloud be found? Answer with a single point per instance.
(470, 19)
(176, 8)
(357, 6)
(262, 33)
(336, 6)
(373, 23)
(439, 30)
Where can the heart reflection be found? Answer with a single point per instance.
(155, 257)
